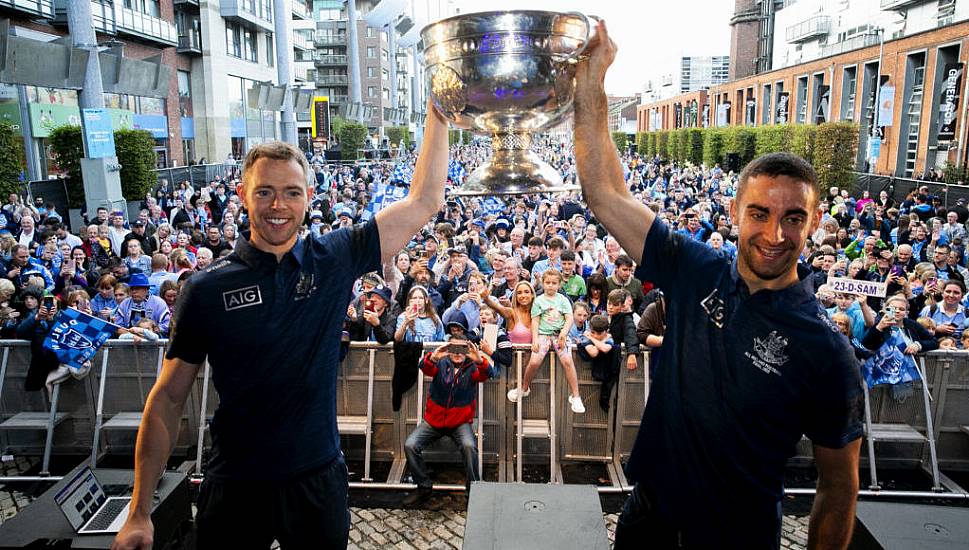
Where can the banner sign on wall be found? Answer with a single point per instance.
(723, 114)
(949, 102)
(783, 101)
(886, 105)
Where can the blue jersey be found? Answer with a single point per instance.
(271, 333)
(743, 377)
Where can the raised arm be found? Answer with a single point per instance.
(597, 160)
(400, 221)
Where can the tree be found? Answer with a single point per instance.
(662, 138)
(68, 148)
(136, 155)
(740, 141)
(694, 146)
(399, 136)
(352, 136)
(10, 169)
(835, 148)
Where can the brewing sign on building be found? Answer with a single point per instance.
(321, 117)
(949, 102)
(783, 99)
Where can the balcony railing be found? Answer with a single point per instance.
(814, 27)
(246, 12)
(190, 43)
(338, 99)
(325, 39)
(301, 11)
(897, 4)
(304, 71)
(332, 79)
(853, 43)
(142, 25)
(43, 8)
(339, 60)
(186, 2)
(300, 41)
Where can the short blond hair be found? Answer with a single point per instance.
(276, 150)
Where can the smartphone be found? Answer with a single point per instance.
(368, 306)
(898, 271)
(457, 347)
(48, 302)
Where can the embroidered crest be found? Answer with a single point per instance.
(305, 286)
(770, 353)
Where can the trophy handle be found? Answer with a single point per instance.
(578, 55)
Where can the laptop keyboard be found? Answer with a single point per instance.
(106, 515)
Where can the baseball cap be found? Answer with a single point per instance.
(458, 249)
(316, 214)
(383, 292)
(479, 222)
(137, 223)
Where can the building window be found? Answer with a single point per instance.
(371, 91)
(947, 12)
(270, 49)
(249, 47)
(371, 51)
(371, 72)
(185, 93)
(148, 7)
(370, 32)
(233, 40)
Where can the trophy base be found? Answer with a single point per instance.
(513, 172)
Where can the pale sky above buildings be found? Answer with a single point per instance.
(651, 35)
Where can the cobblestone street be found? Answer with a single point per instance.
(386, 528)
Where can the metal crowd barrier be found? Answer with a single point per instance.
(99, 415)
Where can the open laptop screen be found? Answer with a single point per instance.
(81, 497)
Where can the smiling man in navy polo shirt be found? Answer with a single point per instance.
(750, 362)
(268, 319)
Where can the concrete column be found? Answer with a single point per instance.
(284, 53)
(353, 52)
(392, 46)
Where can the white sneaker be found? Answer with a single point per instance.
(515, 393)
(576, 402)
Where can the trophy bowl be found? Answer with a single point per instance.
(507, 74)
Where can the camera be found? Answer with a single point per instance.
(458, 347)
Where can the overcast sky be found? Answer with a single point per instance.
(652, 36)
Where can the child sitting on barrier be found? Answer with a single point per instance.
(580, 318)
(551, 321)
(456, 368)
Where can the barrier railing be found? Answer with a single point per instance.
(100, 414)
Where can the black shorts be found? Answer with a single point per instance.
(308, 512)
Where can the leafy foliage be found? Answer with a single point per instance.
(835, 149)
(619, 139)
(68, 148)
(10, 168)
(136, 155)
(352, 136)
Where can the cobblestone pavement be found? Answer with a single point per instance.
(385, 528)
(379, 528)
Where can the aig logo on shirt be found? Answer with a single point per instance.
(243, 297)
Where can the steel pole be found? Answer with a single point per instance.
(284, 70)
(353, 52)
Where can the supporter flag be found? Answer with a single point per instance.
(77, 336)
(492, 206)
(455, 171)
(383, 196)
(890, 365)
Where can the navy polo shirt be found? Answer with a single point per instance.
(271, 332)
(741, 378)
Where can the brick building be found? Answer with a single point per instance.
(921, 76)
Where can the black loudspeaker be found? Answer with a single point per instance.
(732, 162)
(895, 525)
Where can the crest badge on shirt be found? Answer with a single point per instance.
(306, 285)
(716, 311)
(769, 353)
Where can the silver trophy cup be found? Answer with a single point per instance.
(506, 74)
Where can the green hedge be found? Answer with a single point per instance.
(68, 147)
(831, 147)
(136, 155)
(10, 169)
(399, 136)
(835, 145)
(619, 139)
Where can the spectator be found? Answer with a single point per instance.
(551, 322)
(138, 233)
(140, 304)
(169, 293)
(518, 313)
(597, 289)
(134, 259)
(597, 346)
(622, 277)
(372, 316)
(456, 369)
(950, 318)
(419, 321)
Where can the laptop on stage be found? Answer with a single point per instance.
(88, 509)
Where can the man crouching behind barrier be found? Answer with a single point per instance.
(268, 318)
(749, 361)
